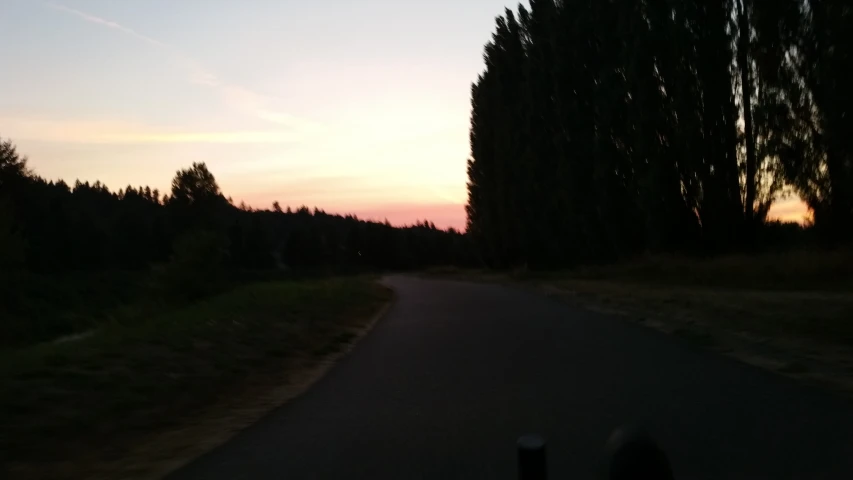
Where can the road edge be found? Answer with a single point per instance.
(216, 432)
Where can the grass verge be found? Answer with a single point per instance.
(804, 335)
(84, 408)
(789, 312)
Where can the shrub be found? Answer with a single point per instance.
(196, 268)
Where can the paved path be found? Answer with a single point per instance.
(456, 372)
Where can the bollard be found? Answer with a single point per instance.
(631, 453)
(531, 458)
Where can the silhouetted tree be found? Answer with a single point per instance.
(601, 130)
(12, 247)
(12, 165)
(196, 267)
(196, 200)
(47, 227)
(194, 186)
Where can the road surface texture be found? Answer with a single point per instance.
(456, 372)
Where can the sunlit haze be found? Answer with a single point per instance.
(789, 210)
(355, 107)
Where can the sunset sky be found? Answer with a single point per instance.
(352, 106)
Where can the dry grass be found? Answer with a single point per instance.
(794, 270)
(805, 335)
(823, 317)
(791, 312)
(69, 408)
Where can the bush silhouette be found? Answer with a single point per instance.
(196, 267)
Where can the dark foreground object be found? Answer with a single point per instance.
(532, 464)
(630, 454)
(447, 382)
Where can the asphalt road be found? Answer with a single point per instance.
(456, 372)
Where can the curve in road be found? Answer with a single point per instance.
(456, 372)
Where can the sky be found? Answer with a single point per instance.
(351, 106)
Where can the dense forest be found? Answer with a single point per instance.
(53, 227)
(76, 257)
(603, 129)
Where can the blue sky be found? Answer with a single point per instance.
(353, 106)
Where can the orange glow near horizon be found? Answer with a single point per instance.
(790, 210)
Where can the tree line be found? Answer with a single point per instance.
(603, 129)
(51, 227)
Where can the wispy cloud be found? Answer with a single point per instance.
(107, 23)
(240, 98)
(117, 131)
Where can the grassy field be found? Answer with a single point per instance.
(790, 312)
(38, 308)
(778, 271)
(69, 407)
(781, 271)
(806, 335)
